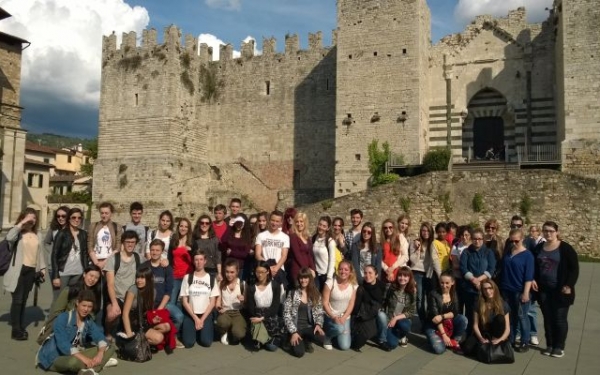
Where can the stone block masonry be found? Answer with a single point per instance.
(292, 127)
(573, 202)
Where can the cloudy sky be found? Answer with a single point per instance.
(61, 68)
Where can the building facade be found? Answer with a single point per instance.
(12, 136)
(180, 130)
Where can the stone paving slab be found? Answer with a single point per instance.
(582, 356)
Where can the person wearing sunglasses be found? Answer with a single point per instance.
(395, 250)
(365, 251)
(60, 221)
(206, 239)
(68, 261)
(477, 264)
(515, 285)
(492, 239)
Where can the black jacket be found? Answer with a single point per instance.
(567, 274)
(63, 242)
(435, 305)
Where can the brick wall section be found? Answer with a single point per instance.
(573, 202)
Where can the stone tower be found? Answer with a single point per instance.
(577, 25)
(148, 148)
(382, 61)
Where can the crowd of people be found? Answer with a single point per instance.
(272, 281)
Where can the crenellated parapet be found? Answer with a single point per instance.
(315, 41)
(225, 52)
(149, 39)
(269, 46)
(206, 53)
(292, 44)
(191, 45)
(128, 42)
(248, 49)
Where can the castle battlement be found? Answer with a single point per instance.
(172, 38)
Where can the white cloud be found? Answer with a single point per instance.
(215, 43)
(225, 4)
(467, 10)
(63, 60)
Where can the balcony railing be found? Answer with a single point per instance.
(538, 154)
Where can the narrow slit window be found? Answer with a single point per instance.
(268, 87)
(136, 100)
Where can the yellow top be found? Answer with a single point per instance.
(443, 250)
(31, 244)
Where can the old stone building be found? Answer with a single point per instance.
(12, 136)
(180, 130)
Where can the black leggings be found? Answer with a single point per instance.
(555, 312)
(20, 296)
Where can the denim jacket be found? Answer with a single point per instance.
(65, 330)
(474, 263)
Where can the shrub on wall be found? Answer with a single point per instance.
(436, 159)
(377, 160)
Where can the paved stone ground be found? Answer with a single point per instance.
(581, 352)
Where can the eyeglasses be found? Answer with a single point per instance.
(205, 223)
(260, 272)
(61, 216)
(366, 232)
(75, 217)
(491, 228)
(515, 241)
(477, 238)
(516, 226)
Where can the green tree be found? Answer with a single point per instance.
(377, 160)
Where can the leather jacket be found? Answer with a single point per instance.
(63, 242)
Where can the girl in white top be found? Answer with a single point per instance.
(164, 232)
(338, 301)
(198, 300)
(324, 252)
(230, 322)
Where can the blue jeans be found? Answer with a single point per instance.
(176, 315)
(203, 337)
(175, 293)
(459, 327)
(382, 323)
(398, 332)
(532, 315)
(518, 316)
(339, 331)
(421, 296)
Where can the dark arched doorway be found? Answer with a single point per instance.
(484, 131)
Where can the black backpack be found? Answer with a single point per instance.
(118, 261)
(7, 255)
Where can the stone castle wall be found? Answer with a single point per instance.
(180, 130)
(573, 202)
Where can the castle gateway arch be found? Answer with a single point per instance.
(488, 126)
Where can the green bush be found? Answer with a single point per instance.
(405, 204)
(436, 159)
(377, 160)
(477, 203)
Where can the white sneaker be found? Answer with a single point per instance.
(327, 344)
(112, 362)
(535, 341)
(87, 371)
(179, 345)
(403, 342)
(518, 338)
(224, 339)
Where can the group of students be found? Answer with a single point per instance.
(268, 279)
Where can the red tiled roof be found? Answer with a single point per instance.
(30, 146)
(39, 163)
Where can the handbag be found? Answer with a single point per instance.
(499, 353)
(136, 348)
